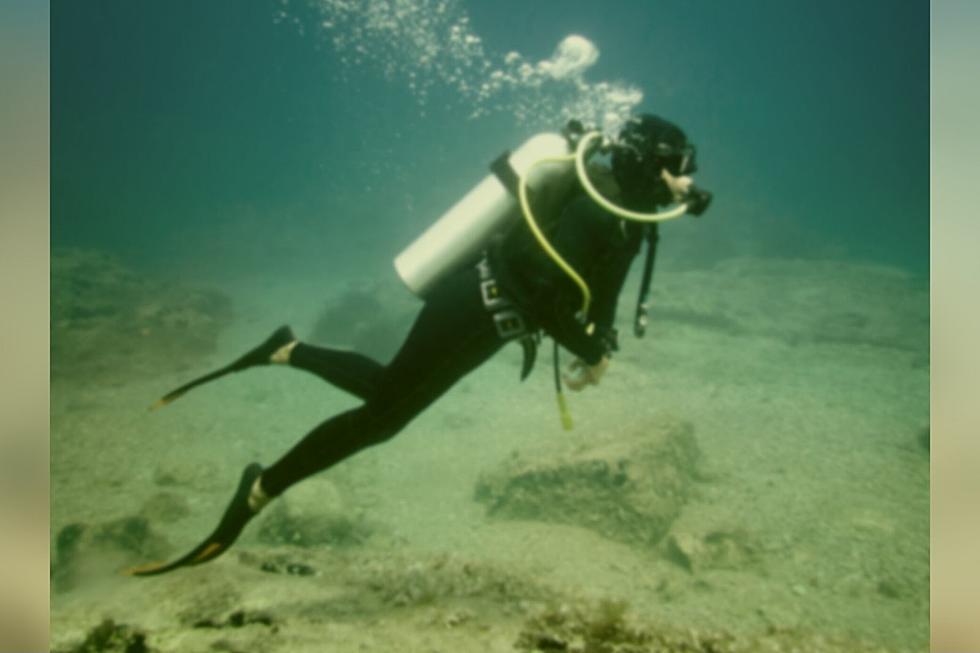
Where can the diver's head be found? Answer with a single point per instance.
(649, 157)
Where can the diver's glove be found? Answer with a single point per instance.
(238, 513)
(586, 374)
(610, 339)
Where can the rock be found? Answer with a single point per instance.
(714, 549)
(412, 582)
(683, 550)
(84, 552)
(290, 568)
(600, 627)
(629, 485)
(213, 594)
(312, 514)
(607, 627)
(109, 637)
(239, 619)
(276, 563)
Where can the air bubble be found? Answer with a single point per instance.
(430, 43)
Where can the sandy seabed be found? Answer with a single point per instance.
(807, 384)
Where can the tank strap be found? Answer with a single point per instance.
(502, 169)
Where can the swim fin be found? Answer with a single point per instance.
(529, 344)
(232, 523)
(258, 356)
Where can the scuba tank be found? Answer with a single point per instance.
(489, 207)
(543, 161)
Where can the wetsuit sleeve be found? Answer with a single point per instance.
(606, 289)
(609, 282)
(571, 335)
(596, 245)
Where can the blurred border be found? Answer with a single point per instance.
(24, 262)
(24, 292)
(955, 554)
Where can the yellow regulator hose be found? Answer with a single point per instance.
(579, 156)
(543, 240)
(580, 160)
(580, 153)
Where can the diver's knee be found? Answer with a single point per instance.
(385, 427)
(385, 431)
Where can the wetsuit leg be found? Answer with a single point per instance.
(452, 335)
(348, 370)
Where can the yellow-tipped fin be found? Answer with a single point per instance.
(143, 569)
(160, 403)
(208, 551)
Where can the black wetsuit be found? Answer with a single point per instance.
(454, 333)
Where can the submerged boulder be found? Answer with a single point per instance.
(695, 551)
(629, 485)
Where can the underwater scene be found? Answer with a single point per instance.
(743, 463)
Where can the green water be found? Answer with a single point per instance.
(279, 155)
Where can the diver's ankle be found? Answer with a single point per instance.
(257, 498)
(281, 355)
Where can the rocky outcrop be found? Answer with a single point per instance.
(628, 485)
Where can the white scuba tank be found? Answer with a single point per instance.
(489, 207)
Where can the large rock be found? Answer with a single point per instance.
(629, 485)
(696, 551)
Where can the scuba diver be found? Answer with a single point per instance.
(559, 273)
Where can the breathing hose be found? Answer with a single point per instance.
(579, 156)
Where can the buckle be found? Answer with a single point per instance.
(492, 297)
(509, 324)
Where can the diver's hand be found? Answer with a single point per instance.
(585, 374)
